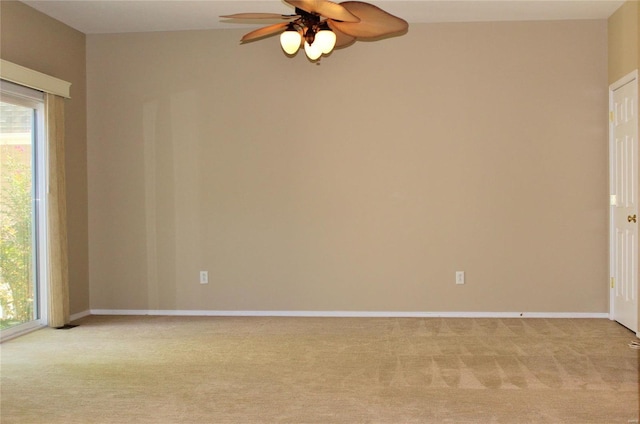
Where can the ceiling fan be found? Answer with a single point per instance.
(323, 25)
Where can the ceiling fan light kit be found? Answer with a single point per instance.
(326, 39)
(290, 40)
(322, 25)
(313, 51)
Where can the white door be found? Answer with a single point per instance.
(623, 160)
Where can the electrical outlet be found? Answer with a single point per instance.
(204, 277)
(459, 277)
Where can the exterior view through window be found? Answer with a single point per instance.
(21, 125)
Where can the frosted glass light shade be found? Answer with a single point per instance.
(290, 41)
(313, 51)
(326, 40)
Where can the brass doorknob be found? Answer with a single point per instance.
(631, 218)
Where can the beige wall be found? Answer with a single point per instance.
(32, 39)
(361, 183)
(624, 46)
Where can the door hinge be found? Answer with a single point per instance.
(613, 282)
(611, 116)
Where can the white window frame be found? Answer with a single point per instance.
(30, 78)
(34, 99)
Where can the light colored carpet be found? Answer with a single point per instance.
(322, 370)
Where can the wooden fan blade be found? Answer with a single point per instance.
(342, 39)
(374, 22)
(264, 32)
(325, 8)
(259, 16)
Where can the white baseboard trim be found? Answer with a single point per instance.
(350, 314)
(79, 315)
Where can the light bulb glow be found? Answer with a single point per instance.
(313, 51)
(290, 41)
(326, 40)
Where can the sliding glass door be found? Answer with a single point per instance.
(21, 134)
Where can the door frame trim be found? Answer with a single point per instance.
(614, 86)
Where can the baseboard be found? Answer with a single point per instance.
(350, 314)
(79, 315)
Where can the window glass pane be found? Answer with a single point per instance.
(17, 250)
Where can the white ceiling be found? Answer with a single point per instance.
(113, 16)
